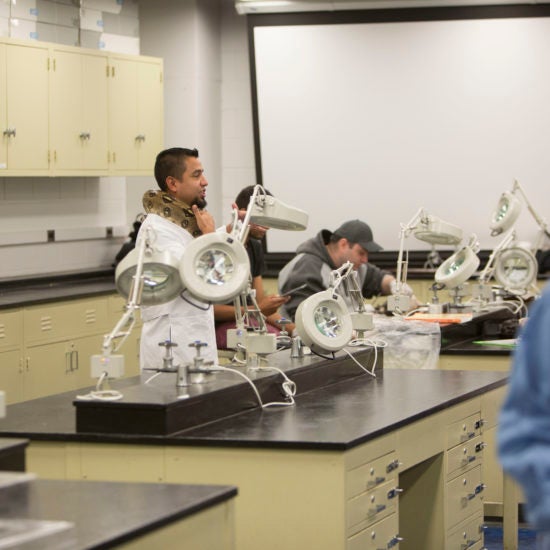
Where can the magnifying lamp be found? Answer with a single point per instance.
(508, 210)
(428, 228)
(215, 268)
(266, 210)
(516, 269)
(159, 282)
(459, 267)
(323, 322)
(434, 230)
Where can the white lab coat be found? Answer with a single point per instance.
(181, 320)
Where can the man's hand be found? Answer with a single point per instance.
(271, 303)
(205, 220)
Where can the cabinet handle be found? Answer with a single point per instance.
(85, 135)
(140, 137)
(468, 459)
(27, 363)
(480, 446)
(74, 354)
(477, 490)
(376, 510)
(10, 132)
(393, 465)
(392, 493)
(68, 359)
(375, 481)
(394, 541)
(467, 436)
(480, 423)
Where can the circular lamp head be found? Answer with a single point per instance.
(506, 213)
(323, 322)
(160, 276)
(433, 230)
(458, 268)
(215, 267)
(516, 269)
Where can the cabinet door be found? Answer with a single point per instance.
(48, 369)
(150, 113)
(79, 112)
(27, 108)
(136, 114)
(95, 113)
(66, 109)
(84, 348)
(11, 375)
(123, 114)
(3, 114)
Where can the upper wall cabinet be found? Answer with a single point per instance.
(79, 135)
(24, 108)
(136, 113)
(71, 111)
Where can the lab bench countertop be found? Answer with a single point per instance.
(106, 514)
(338, 416)
(23, 292)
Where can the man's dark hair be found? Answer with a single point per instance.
(243, 198)
(171, 162)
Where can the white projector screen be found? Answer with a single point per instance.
(375, 120)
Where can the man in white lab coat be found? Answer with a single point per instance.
(176, 213)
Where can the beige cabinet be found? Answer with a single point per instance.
(79, 114)
(11, 363)
(47, 349)
(73, 111)
(136, 113)
(24, 108)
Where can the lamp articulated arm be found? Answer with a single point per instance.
(541, 222)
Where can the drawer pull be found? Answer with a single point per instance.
(469, 435)
(394, 541)
(480, 446)
(480, 488)
(477, 491)
(376, 481)
(393, 465)
(479, 424)
(392, 493)
(468, 459)
(376, 510)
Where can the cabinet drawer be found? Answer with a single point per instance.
(464, 497)
(380, 536)
(371, 474)
(372, 506)
(65, 320)
(463, 457)
(11, 329)
(463, 430)
(467, 536)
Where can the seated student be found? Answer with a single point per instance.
(269, 305)
(317, 257)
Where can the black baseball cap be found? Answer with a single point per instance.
(356, 231)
